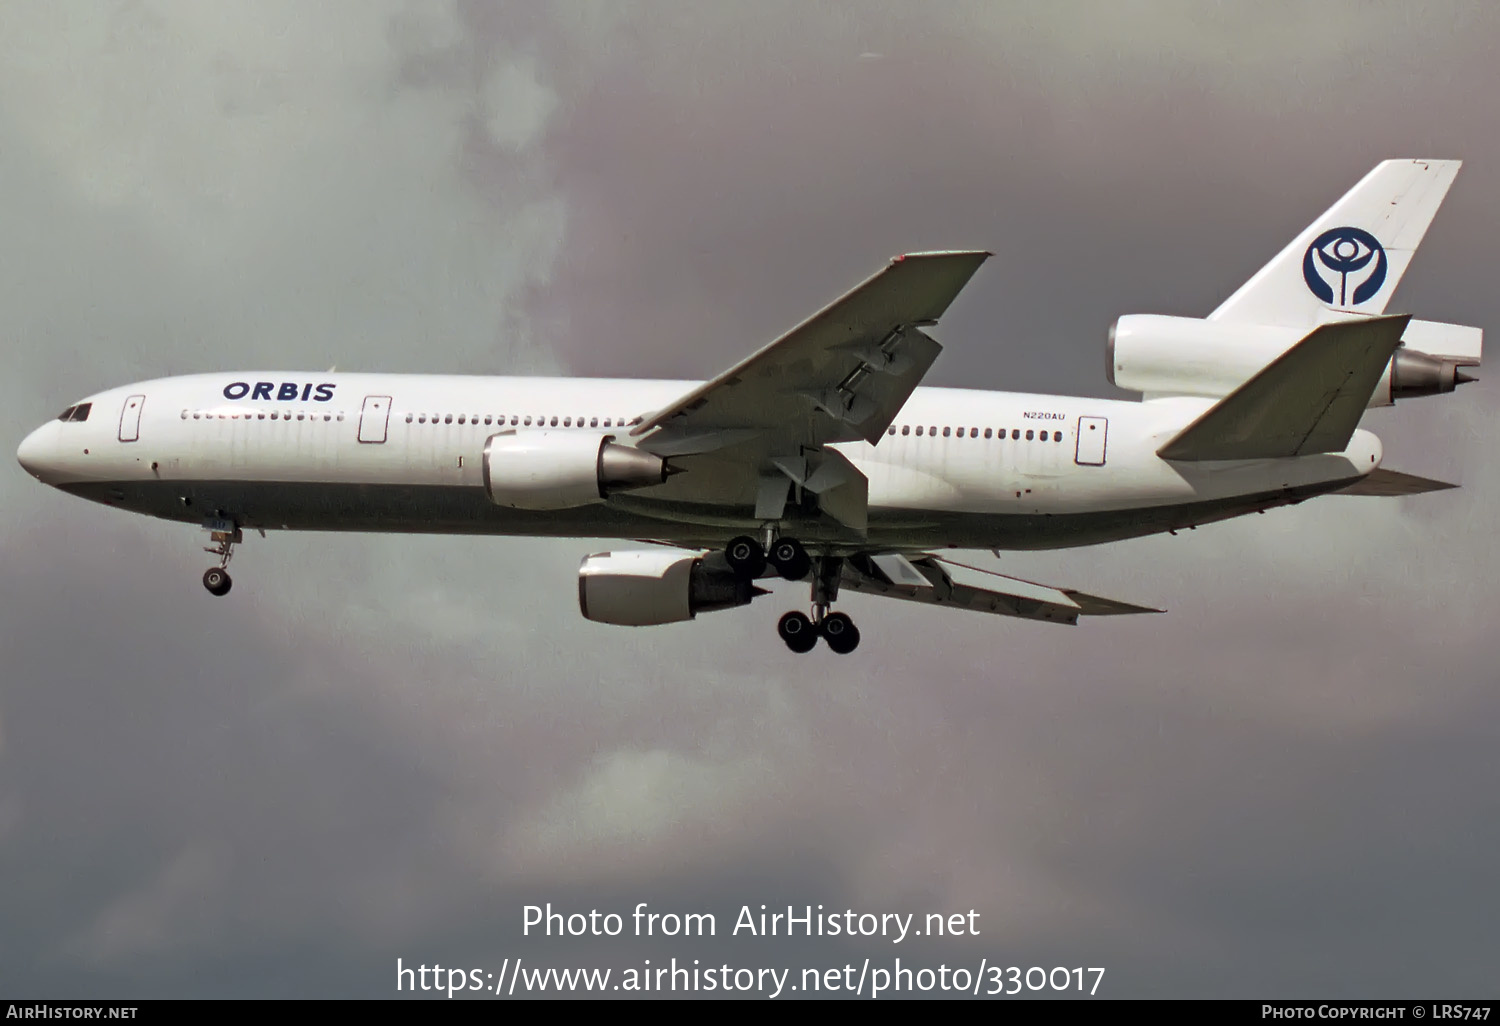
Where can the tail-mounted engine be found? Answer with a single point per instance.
(1160, 356)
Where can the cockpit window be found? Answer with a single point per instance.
(81, 412)
(67, 414)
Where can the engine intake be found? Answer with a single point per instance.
(656, 586)
(543, 470)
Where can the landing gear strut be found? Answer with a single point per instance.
(801, 632)
(216, 578)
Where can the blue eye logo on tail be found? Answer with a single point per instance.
(1350, 257)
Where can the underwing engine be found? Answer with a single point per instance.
(543, 470)
(655, 586)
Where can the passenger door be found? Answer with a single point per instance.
(130, 418)
(374, 417)
(1092, 432)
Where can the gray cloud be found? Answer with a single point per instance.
(381, 747)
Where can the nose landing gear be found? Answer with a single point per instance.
(216, 578)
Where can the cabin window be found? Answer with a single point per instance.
(891, 430)
(567, 422)
(919, 430)
(1030, 435)
(988, 432)
(906, 429)
(1057, 436)
(947, 432)
(593, 422)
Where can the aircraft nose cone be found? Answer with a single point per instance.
(37, 451)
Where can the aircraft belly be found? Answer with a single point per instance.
(450, 509)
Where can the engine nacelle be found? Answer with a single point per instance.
(561, 469)
(653, 586)
(1159, 355)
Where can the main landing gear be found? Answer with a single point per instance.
(749, 557)
(800, 632)
(216, 578)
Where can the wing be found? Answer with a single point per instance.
(840, 376)
(940, 582)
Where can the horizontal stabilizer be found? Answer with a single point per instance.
(935, 581)
(1393, 482)
(1308, 400)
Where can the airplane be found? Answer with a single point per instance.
(820, 458)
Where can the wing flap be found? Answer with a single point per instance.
(934, 581)
(1308, 400)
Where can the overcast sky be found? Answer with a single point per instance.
(382, 747)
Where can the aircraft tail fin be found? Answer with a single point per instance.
(1307, 400)
(1351, 259)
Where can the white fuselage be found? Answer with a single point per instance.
(275, 450)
